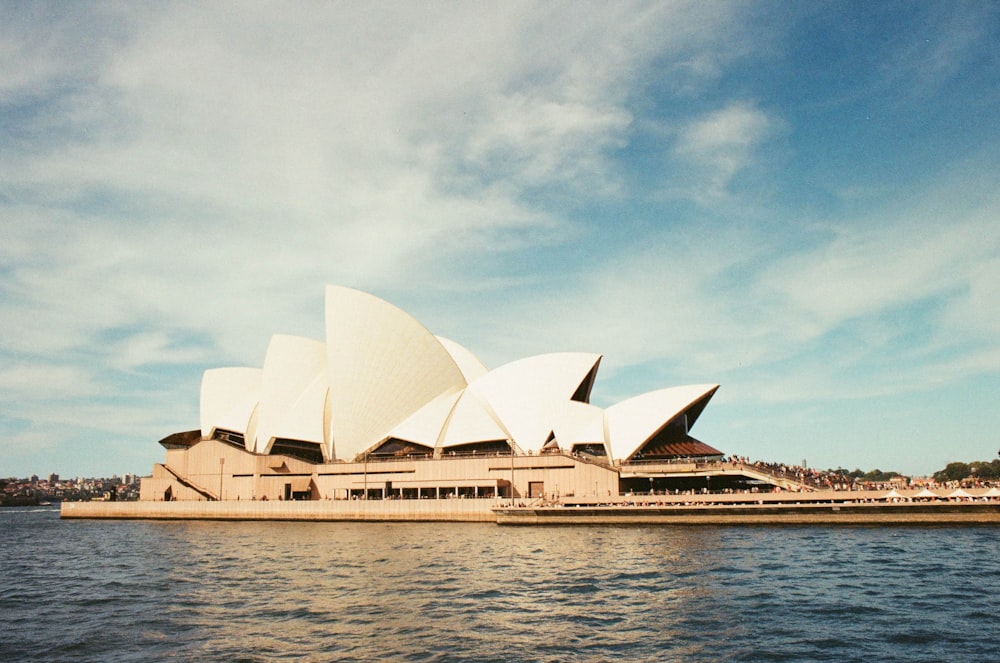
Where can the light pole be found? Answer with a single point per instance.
(222, 464)
(511, 474)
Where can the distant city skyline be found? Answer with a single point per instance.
(798, 201)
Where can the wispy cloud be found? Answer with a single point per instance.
(178, 181)
(720, 144)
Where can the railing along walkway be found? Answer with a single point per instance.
(207, 494)
(777, 478)
(786, 481)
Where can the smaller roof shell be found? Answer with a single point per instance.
(293, 392)
(468, 363)
(579, 423)
(426, 424)
(632, 422)
(472, 420)
(228, 399)
(524, 393)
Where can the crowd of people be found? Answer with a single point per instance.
(843, 480)
(823, 479)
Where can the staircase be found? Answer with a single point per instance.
(207, 494)
(774, 478)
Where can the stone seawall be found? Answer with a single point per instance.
(759, 514)
(323, 510)
(491, 511)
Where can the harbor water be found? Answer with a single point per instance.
(341, 591)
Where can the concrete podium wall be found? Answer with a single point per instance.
(455, 510)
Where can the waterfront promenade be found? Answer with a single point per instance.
(833, 507)
(774, 513)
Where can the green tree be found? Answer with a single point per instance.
(879, 475)
(953, 472)
(984, 470)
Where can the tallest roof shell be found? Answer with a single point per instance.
(383, 366)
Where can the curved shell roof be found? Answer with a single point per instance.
(631, 422)
(383, 366)
(472, 420)
(425, 426)
(524, 394)
(381, 374)
(293, 392)
(228, 399)
(468, 363)
(579, 423)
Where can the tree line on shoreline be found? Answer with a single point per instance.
(956, 471)
(977, 469)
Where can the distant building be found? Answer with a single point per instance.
(383, 408)
(53, 478)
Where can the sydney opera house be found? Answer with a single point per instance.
(384, 409)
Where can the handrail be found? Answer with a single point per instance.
(184, 482)
(787, 480)
(465, 455)
(765, 471)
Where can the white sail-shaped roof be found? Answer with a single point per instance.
(524, 393)
(468, 363)
(631, 422)
(293, 392)
(381, 374)
(425, 425)
(228, 398)
(383, 366)
(472, 421)
(579, 423)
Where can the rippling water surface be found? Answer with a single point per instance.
(139, 591)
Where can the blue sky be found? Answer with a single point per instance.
(798, 201)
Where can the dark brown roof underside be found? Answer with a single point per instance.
(187, 438)
(688, 446)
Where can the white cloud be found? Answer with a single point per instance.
(720, 144)
(548, 141)
(39, 380)
(179, 181)
(942, 244)
(226, 158)
(865, 310)
(943, 46)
